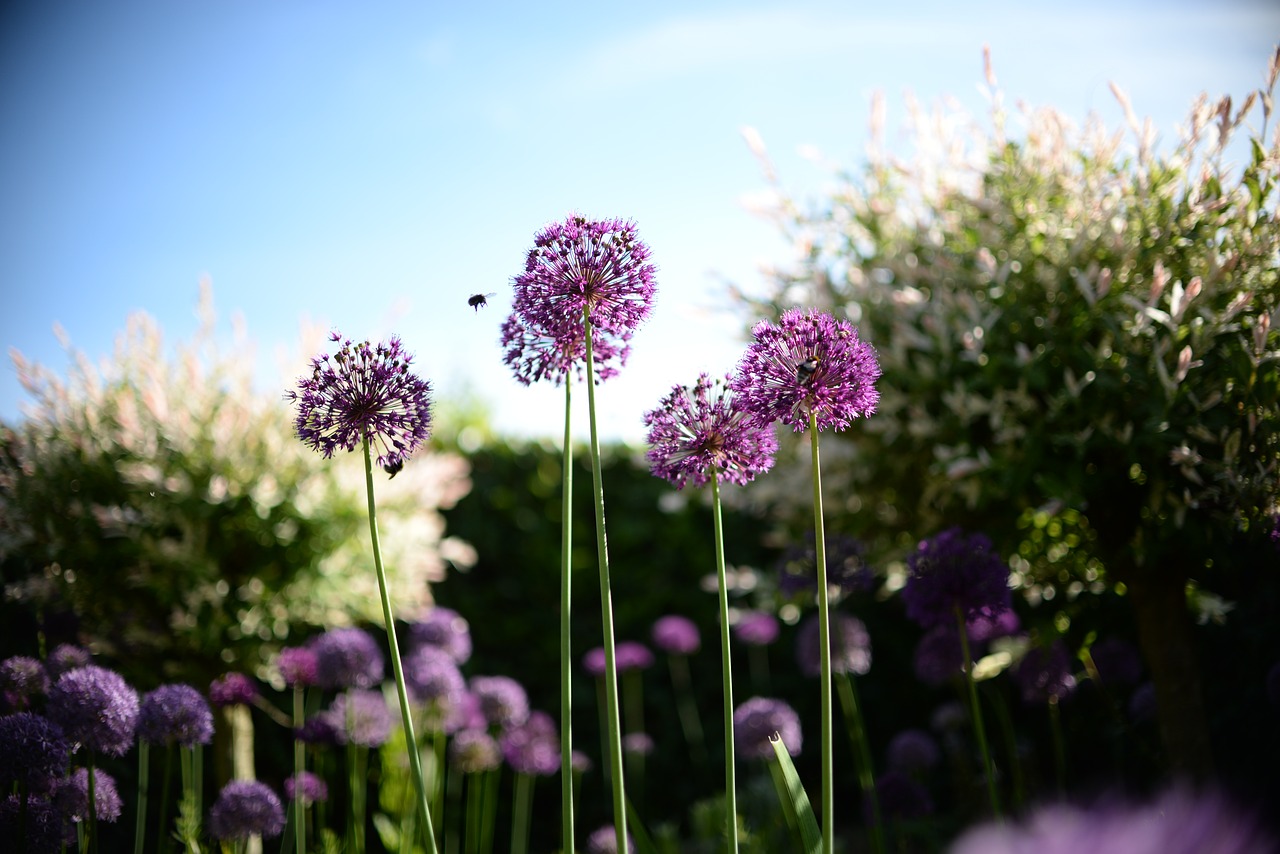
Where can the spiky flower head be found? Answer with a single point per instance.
(298, 666)
(808, 363)
(954, 571)
(433, 679)
(474, 750)
(38, 821)
(850, 646)
(33, 751)
(360, 717)
(536, 353)
(627, 655)
(758, 720)
(246, 808)
(444, 628)
(347, 657)
(503, 701)
(533, 747)
(175, 714)
(64, 657)
(676, 635)
(72, 795)
(364, 390)
(96, 708)
(22, 678)
(232, 689)
(703, 430)
(314, 789)
(756, 628)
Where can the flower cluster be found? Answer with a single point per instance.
(175, 714)
(761, 719)
(533, 747)
(246, 808)
(95, 707)
(444, 628)
(232, 689)
(850, 646)
(676, 635)
(955, 572)
(846, 566)
(347, 658)
(502, 700)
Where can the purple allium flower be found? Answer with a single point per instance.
(758, 720)
(604, 840)
(912, 751)
(347, 658)
(360, 717)
(536, 354)
(850, 646)
(33, 751)
(984, 627)
(298, 666)
(533, 747)
(1044, 674)
(1118, 661)
(72, 795)
(1179, 821)
(638, 743)
(580, 762)
(503, 700)
(953, 571)
(368, 392)
(846, 566)
(939, 657)
(1142, 703)
(756, 628)
(699, 431)
(676, 635)
(465, 713)
(44, 825)
(443, 628)
(232, 689)
(314, 789)
(318, 730)
(474, 750)
(594, 662)
(809, 363)
(246, 808)
(22, 678)
(95, 707)
(901, 797)
(66, 657)
(632, 655)
(433, 678)
(175, 714)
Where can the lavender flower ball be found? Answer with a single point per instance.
(465, 714)
(533, 747)
(298, 666)
(433, 678)
(553, 353)
(175, 714)
(1044, 674)
(757, 720)
(319, 731)
(604, 840)
(595, 663)
(66, 657)
(360, 717)
(33, 751)
(502, 700)
(72, 795)
(850, 646)
(638, 744)
(246, 808)
(756, 628)
(22, 678)
(443, 628)
(44, 825)
(232, 689)
(913, 751)
(632, 655)
(953, 572)
(347, 658)
(676, 635)
(95, 707)
(472, 751)
(314, 790)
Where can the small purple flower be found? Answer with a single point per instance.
(632, 655)
(95, 707)
(700, 431)
(983, 627)
(465, 713)
(638, 743)
(433, 679)
(298, 666)
(1118, 661)
(232, 689)
(756, 628)
(364, 392)
(318, 730)
(44, 825)
(604, 840)
(758, 720)
(850, 646)
(810, 363)
(360, 717)
(314, 790)
(939, 657)
(533, 747)
(846, 566)
(1044, 674)
(502, 700)
(901, 797)
(175, 714)
(594, 662)
(72, 795)
(474, 750)
(22, 678)
(676, 635)
(66, 657)
(912, 751)
(581, 762)
(951, 572)
(246, 808)
(33, 751)
(347, 658)
(443, 628)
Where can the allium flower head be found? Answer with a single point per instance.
(533, 747)
(314, 790)
(808, 363)
(954, 570)
(22, 678)
(846, 566)
(984, 627)
(502, 699)
(756, 628)
(702, 430)
(41, 822)
(360, 717)
(72, 795)
(298, 666)
(474, 750)
(676, 635)
(465, 713)
(33, 751)
(757, 720)
(175, 714)
(232, 689)
(95, 707)
(638, 744)
(246, 808)
(627, 655)
(318, 730)
(535, 353)
(433, 678)
(364, 390)
(604, 840)
(66, 657)
(1044, 674)
(443, 628)
(850, 646)
(347, 658)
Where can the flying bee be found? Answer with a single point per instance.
(806, 369)
(393, 468)
(479, 301)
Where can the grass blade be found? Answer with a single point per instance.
(794, 800)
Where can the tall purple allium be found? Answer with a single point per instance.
(535, 354)
(360, 717)
(604, 840)
(702, 430)
(72, 795)
(503, 700)
(953, 571)
(314, 790)
(638, 743)
(850, 646)
(939, 658)
(912, 751)
(66, 657)
(347, 658)
(443, 628)
(1044, 674)
(632, 655)
(22, 678)
(33, 751)
(364, 391)
(533, 747)
(298, 666)
(246, 808)
(846, 566)
(756, 628)
(1118, 661)
(465, 713)
(759, 719)
(474, 750)
(95, 707)
(676, 635)
(434, 680)
(808, 363)
(901, 797)
(175, 714)
(232, 689)
(44, 826)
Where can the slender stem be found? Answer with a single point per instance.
(299, 765)
(866, 775)
(606, 607)
(566, 661)
(726, 673)
(980, 731)
(687, 706)
(92, 818)
(144, 780)
(162, 837)
(415, 761)
(520, 813)
(824, 645)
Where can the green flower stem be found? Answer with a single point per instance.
(299, 765)
(606, 606)
(520, 811)
(980, 731)
(566, 655)
(474, 798)
(490, 819)
(92, 809)
(726, 671)
(687, 708)
(1016, 776)
(166, 781)
(824, 646)
(415, 761)
(144, 780)
(858, 733)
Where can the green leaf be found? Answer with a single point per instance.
(635, 828)
(794, 800)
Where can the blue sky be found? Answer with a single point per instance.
(368, 166)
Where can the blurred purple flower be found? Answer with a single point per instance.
(465, 713)
(1044, 674)
(1118, 661)
(365, 391)
(44, 825)
(360, 717)
(846, 566)
(347, 658)
(604, 840)
(503, 700)
(757, 720)
(637, 743)
(95, 707)
(22, 678)
(581, 762)
(850, 646)
(443, 628)
(474, 750)
(66, 657)
(433, 679)
(533, 747)
(627, 655)
(319, 731)
(676, 635)
(809, 362)
(298, 666)
(314, 789)
(901, 797)
(987, 627)
(175, 714)
(246, 808)
(232, 689)
(756, 628)
(952, 571)
(912, 751)
(72, 795)
(33, 751)
(939, 657)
